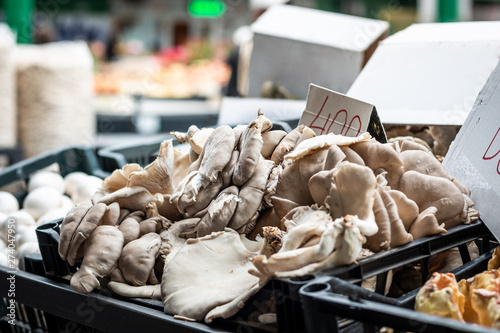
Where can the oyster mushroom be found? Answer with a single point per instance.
(138, 257)
(112, 215)
(105, 239)
(215, 284)
(132, 198)
(84, 230)
(214, 157)
(250, 147)
(319, 185)
(117, 180)
(271, 140)
(399, 235)
(382, 239)
(174, 236)
(308, 146)
(426, 191)
(286, 144)
(195, 137)
(69, 225)
(377, 155)
(340, 244)
(126, 290)
(352, 191)
(251, 195)
(297, 173)
(157, 177)
(220, 211)
(130, 228)
(427, 224)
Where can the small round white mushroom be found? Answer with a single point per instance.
(85, 190)
(21, 217)
(8, 203)
(25, 234)
(46, 179)
(72, 180)
(52, 215)
(67, 203)
(41, 200)
(25, 250)
(3, 259)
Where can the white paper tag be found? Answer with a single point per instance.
(331, 112)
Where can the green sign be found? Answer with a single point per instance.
(206, 8)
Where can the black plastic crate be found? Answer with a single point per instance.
(57, 308)
(330, 305)
(284, 293)
(69, 159)
(13, 155)
(48, 242)
(128, 124)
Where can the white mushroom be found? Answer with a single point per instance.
(52, 215)
(72, 180)
(25, 250)
(86, 190)
(8, 203)
(46, 179)
(41, 200)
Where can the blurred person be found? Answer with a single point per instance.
(239, 59)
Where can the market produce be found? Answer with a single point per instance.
(215, 283)
(106, 239)
(239, 218)
(473, 300)
(41, 200)
(73, 180)
(441, 296)
(8, 203)
(138, 258)
(312, 247)
(46, 179)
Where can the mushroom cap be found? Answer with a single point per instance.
(215, 283)
(308, 146)
(72, 180)
(8, 203)
(157, 177)
(41, 200)
(52, 215)
(86, 190)
(46, 179)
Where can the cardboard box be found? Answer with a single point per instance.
(474, 156)
(294, 46)
(429, 74)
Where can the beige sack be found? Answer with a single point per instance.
(55, 92)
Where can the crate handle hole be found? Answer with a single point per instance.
(303, 278)
(317, 287)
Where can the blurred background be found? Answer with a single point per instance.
(156, 65)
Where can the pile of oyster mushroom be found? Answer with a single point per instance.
(204, 230)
